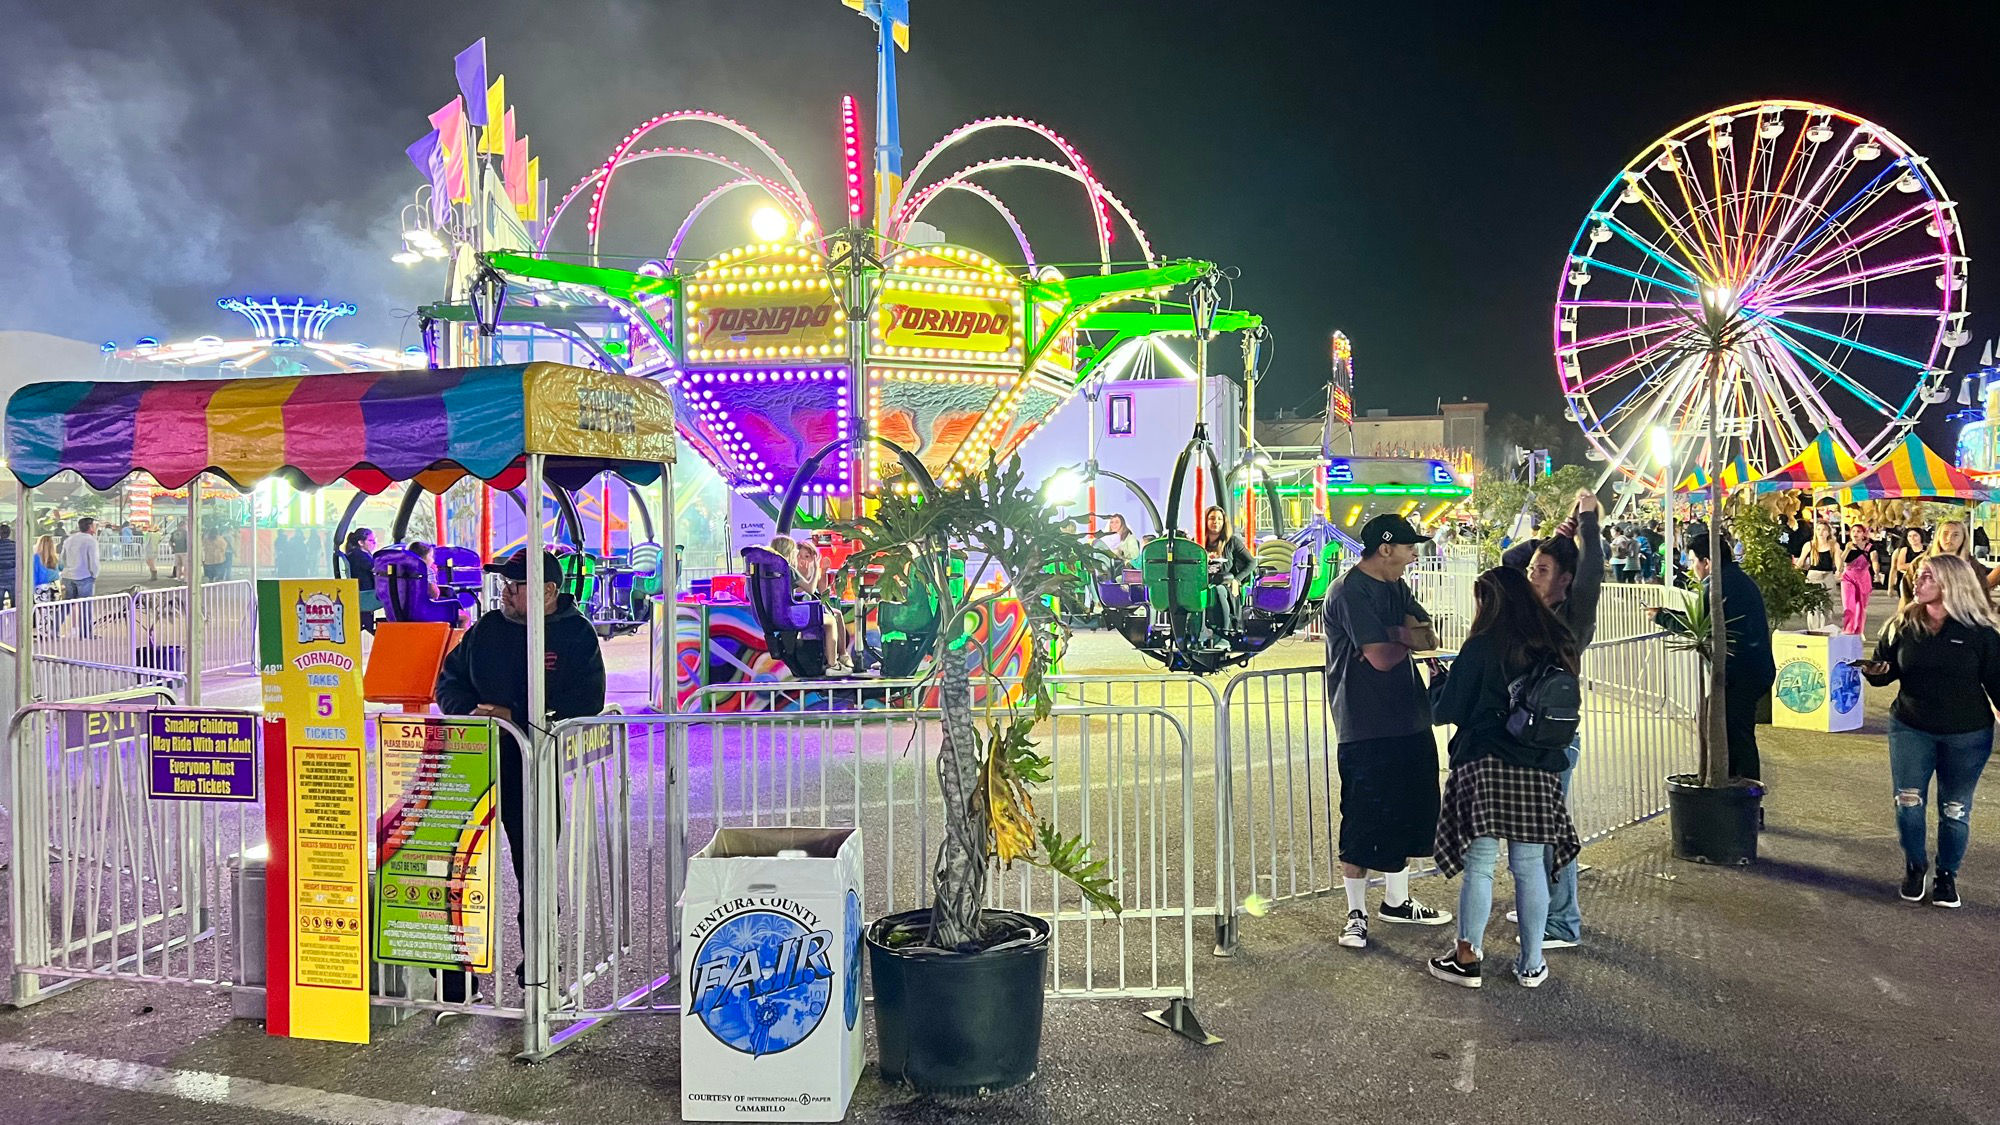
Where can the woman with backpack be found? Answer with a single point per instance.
(1514, 694)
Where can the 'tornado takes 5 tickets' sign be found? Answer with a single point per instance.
(309, 652)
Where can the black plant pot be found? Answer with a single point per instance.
(958, 1023)
(1714, 825)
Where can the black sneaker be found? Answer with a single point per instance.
(1944, 889)
(1913, 885)
(1355, 934)
(1448, 969)
(1414, 913)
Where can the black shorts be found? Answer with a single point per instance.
(1388, 800)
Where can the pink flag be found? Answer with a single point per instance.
(450, 124)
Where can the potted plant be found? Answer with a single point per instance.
(1713, 817)
(1788, 594)
(958, 988)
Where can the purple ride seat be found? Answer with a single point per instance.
(1280, 593)
(1120, 595)
(774, 596)
(402, 584)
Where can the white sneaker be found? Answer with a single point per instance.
(1355, 934)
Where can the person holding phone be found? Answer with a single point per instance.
(1943, 652)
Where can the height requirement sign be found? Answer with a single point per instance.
(309, 650)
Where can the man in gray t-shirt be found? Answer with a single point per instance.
(1387, 755)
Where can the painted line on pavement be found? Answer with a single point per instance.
(209, 1088)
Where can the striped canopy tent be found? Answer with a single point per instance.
(1912, 471)
(1824, 463)
(371, 429)
(1735, 475)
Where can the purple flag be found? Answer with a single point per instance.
(471, 68)
(428, 155)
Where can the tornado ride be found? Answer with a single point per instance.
(853, 351)
(1829, 242)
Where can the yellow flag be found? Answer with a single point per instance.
(532, 211)
(496, 110)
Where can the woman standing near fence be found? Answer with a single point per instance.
(1500, 785)
(1944, 651)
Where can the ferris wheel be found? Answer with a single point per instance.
(1831, 245)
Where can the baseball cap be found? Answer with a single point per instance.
(1387, 528)
(515, 569)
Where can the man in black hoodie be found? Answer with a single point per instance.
(487, 674)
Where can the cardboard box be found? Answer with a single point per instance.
(1814, 689)
(771, 975)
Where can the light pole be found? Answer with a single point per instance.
(1663, 452)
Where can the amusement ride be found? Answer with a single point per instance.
(851, 350)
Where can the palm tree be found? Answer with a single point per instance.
(1016, 547)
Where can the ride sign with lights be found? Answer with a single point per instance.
(912, 322)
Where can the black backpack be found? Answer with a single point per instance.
(1545, 707)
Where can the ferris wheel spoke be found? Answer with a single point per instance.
(1630, 362)
(1850, 342)
(1812, 359)
(1637, 276)
(1803, 204)
(1778, 413)
(1851, 310)
(1572, 303)
(1830, 225)
(1697, 215)
(1646, 247)
(1823, 259)
(1847, 280)
(1677, 324)
(1773, 193)
(1671, 226)
(1805, 389)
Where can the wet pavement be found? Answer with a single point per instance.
(1799, 989)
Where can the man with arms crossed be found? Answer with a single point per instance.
(1387, 753)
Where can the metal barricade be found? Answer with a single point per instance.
(1640, 702)
(1622, 606)
(635, 794)
(107, 884)
(1282, 784)
(1443, 586)
(228, 618)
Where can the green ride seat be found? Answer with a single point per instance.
(1176, 571)
(579, 576)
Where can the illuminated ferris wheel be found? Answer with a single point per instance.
(1830, 243)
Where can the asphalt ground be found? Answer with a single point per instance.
(1798, 989)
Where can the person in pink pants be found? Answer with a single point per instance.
(1857, 581)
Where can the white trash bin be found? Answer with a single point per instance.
(771, 975)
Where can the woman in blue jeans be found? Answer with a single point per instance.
(1500, 786)
(1944, 649)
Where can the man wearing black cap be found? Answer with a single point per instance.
(487, 674)
(1388, 756)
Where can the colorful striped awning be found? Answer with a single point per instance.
(369, 428)
(1735, 475)
(1823, 463)
(1912, 471)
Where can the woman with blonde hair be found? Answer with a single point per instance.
(1944, 652)
(1817, 559)
(47, 564)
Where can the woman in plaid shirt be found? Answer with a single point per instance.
(1499, 786)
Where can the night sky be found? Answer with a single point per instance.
(1409, 173)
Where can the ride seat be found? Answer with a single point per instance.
(1280, 593)
(1176, 570)
(403, 663)
(794, 627)
(402, 585)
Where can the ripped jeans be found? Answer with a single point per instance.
(1956, 759)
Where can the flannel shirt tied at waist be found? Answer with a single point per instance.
(1489, 797)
